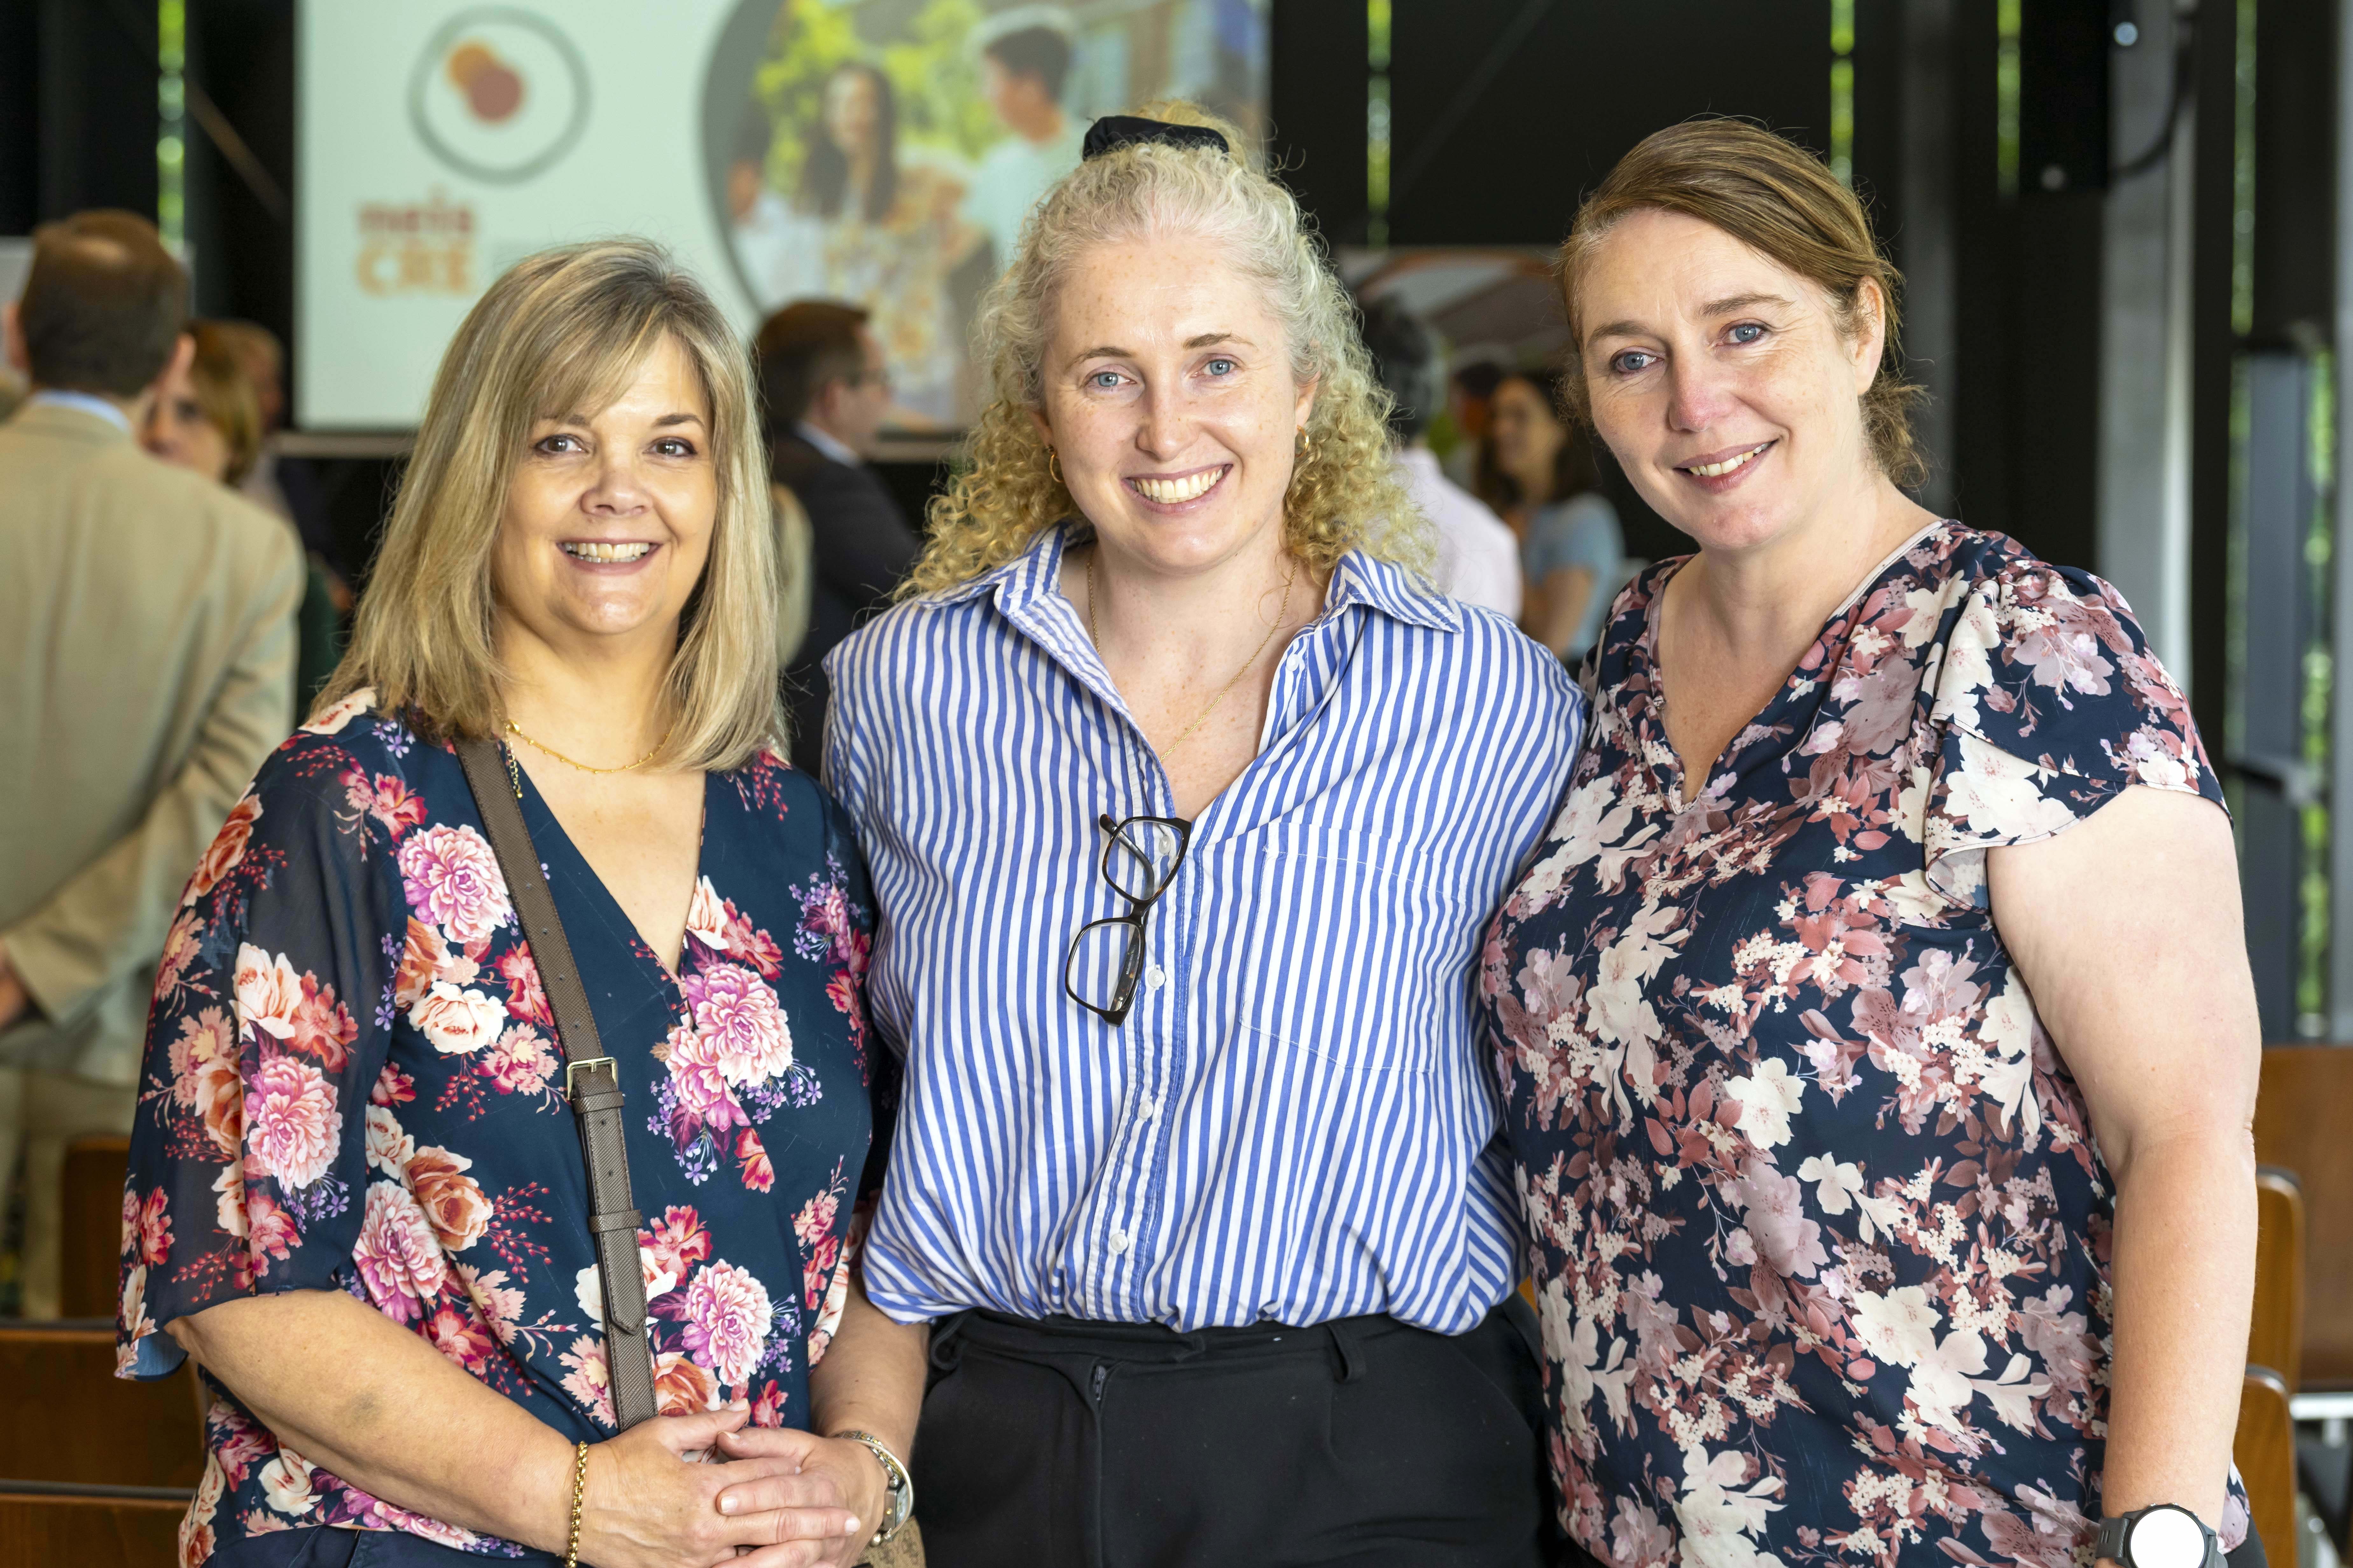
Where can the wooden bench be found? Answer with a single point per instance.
(90, 1527)
(2304, 1123)
(90, 1227)
(65, 1417)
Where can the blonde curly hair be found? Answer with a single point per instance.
(1341, 495)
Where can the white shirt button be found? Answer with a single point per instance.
(1155, 977)
(1118, 1242)
(1149, 1111)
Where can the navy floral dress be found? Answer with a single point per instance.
(1818, 1231)
(353, 1083)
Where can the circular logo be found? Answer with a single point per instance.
(499, 94)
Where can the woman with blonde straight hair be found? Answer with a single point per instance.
(1186, 797)
(356, 1196)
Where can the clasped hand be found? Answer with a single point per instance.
(766, 1499)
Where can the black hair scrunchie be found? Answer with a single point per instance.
(1128, 129)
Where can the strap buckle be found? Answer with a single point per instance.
(570, 1092)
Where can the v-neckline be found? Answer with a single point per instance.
(1818, 657)
(615, 915)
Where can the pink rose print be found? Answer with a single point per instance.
(727, 1313)
(226, 849)
(451, 875)
(330, 719)
(451, 1201)
(521, 1062)
(738, 1014)
(706, 916)
(525, 998)
(399, 1262)
(458, 1021)
(268, 992)
(424, 960)
(204, 1039)
(676, 1242)
(291, 1124)
(682, 1388)
(700, 1081)
(759, 1175)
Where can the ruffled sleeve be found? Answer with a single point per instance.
(2047, 704)
(269, 1028)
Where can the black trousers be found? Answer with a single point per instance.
(1362, 1443)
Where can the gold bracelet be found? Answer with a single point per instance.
(579, 1485)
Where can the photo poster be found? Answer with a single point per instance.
(883, 153)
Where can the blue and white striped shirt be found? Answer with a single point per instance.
(1297, 1122)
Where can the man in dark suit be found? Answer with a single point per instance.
(825, 391)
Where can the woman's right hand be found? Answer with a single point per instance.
(651, 1502)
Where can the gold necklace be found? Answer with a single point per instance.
(1282, 612)
(514, 730)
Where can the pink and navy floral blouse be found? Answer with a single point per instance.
(353, 1083)
(1818, 1231)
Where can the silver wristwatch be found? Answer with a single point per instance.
(901, 1489)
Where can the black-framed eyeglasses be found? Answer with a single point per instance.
(1106, 958)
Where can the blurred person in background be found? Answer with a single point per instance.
(1469, 392)
(1536, 469)
(1188, 799)
(1025, 55)
(892, 239)
(825, 392)
(1478, 558)
(147, 656)
(209, 418)
(358, 1196)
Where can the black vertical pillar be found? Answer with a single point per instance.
(1317, 80)
(96, 112)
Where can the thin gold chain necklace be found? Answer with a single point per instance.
(514, 730)
(1282, 612)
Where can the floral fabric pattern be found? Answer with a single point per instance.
(1820, 1234)
(354, 1083)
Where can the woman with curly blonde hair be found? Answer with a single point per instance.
(1186, 799)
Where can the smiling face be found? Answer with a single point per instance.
(609, 514)
(1722, 381)
(1170, 402)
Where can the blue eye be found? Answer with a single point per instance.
(1104, 380)
(1221, 367)
(1745, 332)
(1631, 361)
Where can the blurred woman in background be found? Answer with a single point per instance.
(892, 237)
(1536, 471)
(209, 419)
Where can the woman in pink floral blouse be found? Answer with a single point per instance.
(356, 1191)
(1874, 1023)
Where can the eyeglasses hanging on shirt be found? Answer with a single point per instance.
(1105, 960)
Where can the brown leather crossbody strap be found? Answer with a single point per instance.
(590, 1079)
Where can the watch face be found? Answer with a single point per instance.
(2167, 1538)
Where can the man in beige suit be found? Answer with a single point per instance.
(146, 669)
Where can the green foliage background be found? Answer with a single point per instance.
(929, 64)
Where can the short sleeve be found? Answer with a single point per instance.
(264, 1041)
(2047, 704)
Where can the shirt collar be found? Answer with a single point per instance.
(84, 402)
(827, 442)
(1025, 583)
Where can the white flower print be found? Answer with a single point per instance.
(1899, 1327)
(1769, 1098)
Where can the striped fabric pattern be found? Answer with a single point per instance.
(1298, 1121)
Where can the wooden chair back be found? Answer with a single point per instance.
(2303, 1122)
(2264, 1448)
(91, 1527)
(2275, 1336)
(90, 1227)
(64, 1416)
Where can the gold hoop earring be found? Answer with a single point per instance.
(1054, 467)
(1303, 449)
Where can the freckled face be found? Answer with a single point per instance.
(1721, 381)
(1170, 402)
(609, 515)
